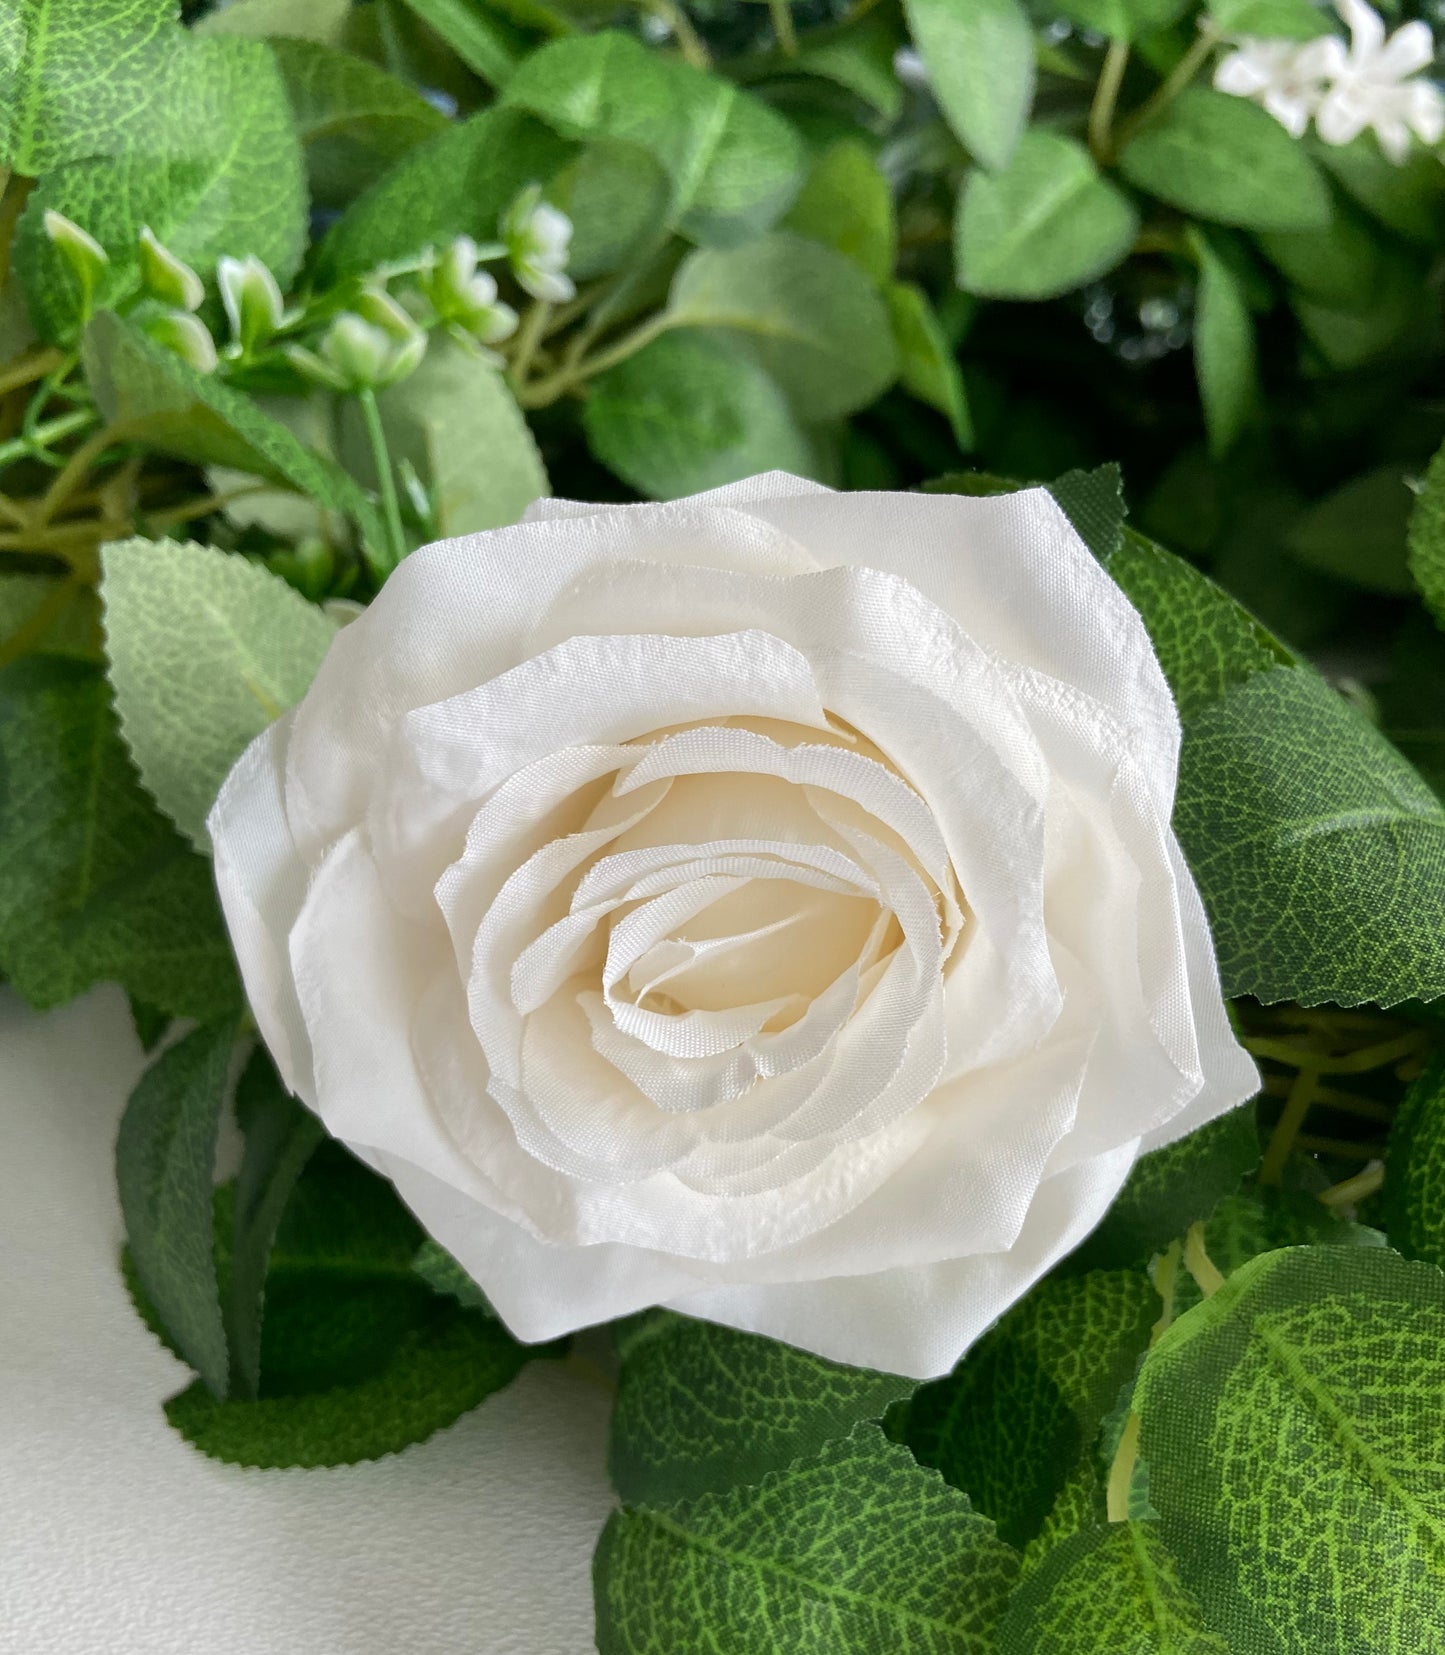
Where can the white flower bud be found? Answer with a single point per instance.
(81, 251)
(254, 304)
(538, 237)
(364, 352)
(166, 277)
(186, 335)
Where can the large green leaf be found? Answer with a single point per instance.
(1048, 222)
(83, 77)
(1294, 1437)
(1427, 539)
(927, 366)
(854, 1549)
(1113, 1589)
(808, 314)
(206, 649)
(232, 184)
(98, 886)
(1010, 1422)
(1224, 159)
(1414, 1195)
(164, 1154)
(980, 59)
(617, 197)
(702, 1408)
(1357, 532)
(1285, 787)
(1224, 351)
(489, 44)
(688, 413)
(847, 204)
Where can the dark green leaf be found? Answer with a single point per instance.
(1427, 539)
(441, 1272)
(1357, 533)
(853, 1550)
(1224, 351)
(702, 1408)
(980, 60)
(927, 365)
(1293, 1432)
(1414, 1196)
(98, 886)
(1225, 159)
(164, 1157)
(486, 43)
(46, 614)
(1093, 501)
(1339, 264)
(857, 56)
(847, 204)
(1407, 198)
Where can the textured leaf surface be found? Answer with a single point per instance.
(1012, 1419)
(855, 1549)
(702, 1408)
(1093, 501)
(206, 649)
(98, 886)
(1048, 222)
(1112, 1589)
(809, 315)
(1224, 159)
(1427, 539)
(1224, 353)
(1284, 786)
(980, 60)
(1296, 1450)
(1414, 1194)
(164, 1155)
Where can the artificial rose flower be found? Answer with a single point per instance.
(763, 904)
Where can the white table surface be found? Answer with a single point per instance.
(116, 1538)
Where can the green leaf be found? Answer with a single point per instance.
(281, 1135)
(688, 413)
(1339, 264)
(1223, 158)
(206, 649)
(617, 197)
(810, 316)
(1427, 539)
(1048, 222)
(858, 56)
(1170, 1188)
(702, 1408)
(1123, 19)
(79, 79)
(1294, 1436)
(1093, 501)
(45, 614)
(980, 60)
(852, 1550)
(354, 120)
(1224, 351)
(458, 183)
(1413, 1210)
(1270, 19)
(164, 1156)
(927, 366)
(322, 21)
(168, 404)
(98, 886)
(1408, 198)
(847, 204)
(485, 43)
(234, 184)
(1357, 533)
(441, 1272)
(1114, 1588)
(1397, 321)
(1009, 1423)
(1284, 786)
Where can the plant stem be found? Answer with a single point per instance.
(1353, 1189)
(529, 337)
(547, 391)
(1198, 1262)
(1173, 84)
(689, 41)
(782, 16)
(386, 483)
(49, 431)
(1357, 1062)
(30, 368)
(1121, 1472)
(1106, 99)
(1301, 1095)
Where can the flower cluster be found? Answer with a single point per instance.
(1373, 84)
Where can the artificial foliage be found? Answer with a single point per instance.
(289, 288)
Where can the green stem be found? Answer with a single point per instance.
(1173, 84)
(783, 27)
(386, 483)
(1198, 1262)
(1106, 99)
(529, 336)
(1297, 1104)
(689, 41)
(45, 433)
(547, 391)
(1351, 1190)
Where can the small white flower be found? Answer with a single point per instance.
(1288, 79)
(1373, 87)
(82, 252)
(186, 335)
(464, 297)
(537, 237)
(166, 277)
(364, 350)
(253, 301)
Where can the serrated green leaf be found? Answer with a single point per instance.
(1427, 539)
(1270, 19)
(846, 204)
(280, 1137)
(1114, 1588)
(458, 183)
(441, 1272)
(488, 44)
(164, 1155)
(702, 1408)
(1408, 198)
(1224, 350)
(810, 316)
(980, 60)
(206, 649)
(233, 183)
(1009, 1424)
(1172, 1187)
(82, 77)
(927, 366)
(167, 403)
(98, 886)
(1284, 786)
(1413, 1204)
(1048, 222)
(1357, 532)
(1123, 19)
(1224, 159)
(1294, 1438)
(688, 413)
(1093, 501)
(852, 1550)
(354, 120)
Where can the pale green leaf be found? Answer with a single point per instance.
(847, 204)
(1271, 19)
(618, 198)
(322, 21)
(1048, 222)
(980, 59)
(1123, 19)
(927, 366)
(206, 649)
(1224, 350)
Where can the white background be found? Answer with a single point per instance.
(116, 1538)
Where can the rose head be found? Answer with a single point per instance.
(763, 904)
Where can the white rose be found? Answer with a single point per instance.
(763, 905)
